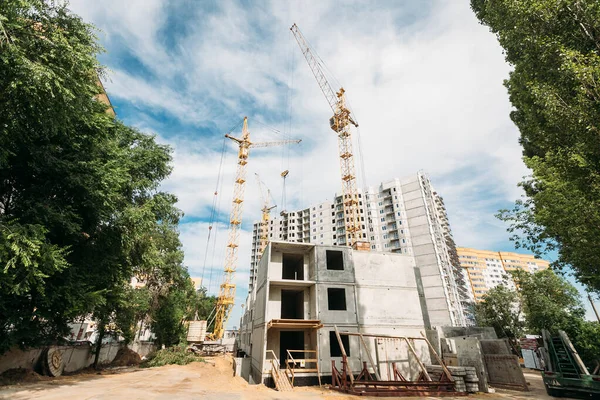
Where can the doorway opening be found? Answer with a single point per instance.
(289, 340)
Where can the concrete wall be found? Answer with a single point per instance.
(74, 357)
(426, 258)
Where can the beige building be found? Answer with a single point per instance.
(485, 269)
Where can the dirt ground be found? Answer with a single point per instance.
(210, 380)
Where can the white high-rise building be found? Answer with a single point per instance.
(402, 216)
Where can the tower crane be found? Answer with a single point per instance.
(266, 216)
(226, 298)
(340, 123)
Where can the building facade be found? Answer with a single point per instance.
(304, 291)
(405, 216)
(485, 269)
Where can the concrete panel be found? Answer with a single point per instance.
(384, 269)
(415, 194)
(420, 240)
(429, 270)
(434, 292)
(409, 186)
(504, 371)
(423, 250)
(327, 316)
(419, 230)
(355, 358)
(421, 220)
(325, 275)
(495, 346)
(432, 281)
(74, 358)
(415, 212)
(414, 203)
(484, 332)
(437, 304)
(439, 317)
(377, 306)
(469, 354)
(274, 304)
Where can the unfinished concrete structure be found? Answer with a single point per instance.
(303, 290)
(405, 216)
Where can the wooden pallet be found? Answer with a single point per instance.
(282, 382)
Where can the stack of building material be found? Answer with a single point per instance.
(465, 378)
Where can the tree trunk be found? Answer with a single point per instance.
(101, 330)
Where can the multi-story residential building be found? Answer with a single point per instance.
(485, 269)
(401, 216)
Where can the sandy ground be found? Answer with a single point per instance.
(211, 380)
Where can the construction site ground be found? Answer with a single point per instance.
(212, 379)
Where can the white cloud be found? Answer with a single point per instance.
(427, 91)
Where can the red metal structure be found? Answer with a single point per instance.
(365, 384)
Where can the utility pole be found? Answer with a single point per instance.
(593, 306)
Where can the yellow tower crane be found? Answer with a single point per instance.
(226, 298)
(340, 124)
(263, 237)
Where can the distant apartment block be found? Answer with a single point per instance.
(405, 216)
(485, 269)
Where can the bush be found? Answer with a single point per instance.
(178, 355)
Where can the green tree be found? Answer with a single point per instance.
(500, 308)
(174, 308)
(549, 301)
(554, 47)
(80, 209)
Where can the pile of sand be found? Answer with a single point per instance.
(20, 375)
(125, 356)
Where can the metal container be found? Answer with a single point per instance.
(196, 331)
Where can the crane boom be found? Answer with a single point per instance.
(315, 67)
(226, 298)
(339, 123)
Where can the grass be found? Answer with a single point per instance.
(178, 355)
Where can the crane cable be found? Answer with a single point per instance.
(213, 212)
(214, 215)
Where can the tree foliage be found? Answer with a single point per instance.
(549, 301)
(543, 300)
(501, 309)
(80, 208)
(554, 47)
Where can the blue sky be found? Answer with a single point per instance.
(423, 78)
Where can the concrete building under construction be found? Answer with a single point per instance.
(303, 290)
(404, 216)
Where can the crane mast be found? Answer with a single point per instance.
(266, 216)
(226, 298)
(340, 123)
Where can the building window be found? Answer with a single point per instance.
(335, 260)
(336, 299)
(334, 345)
